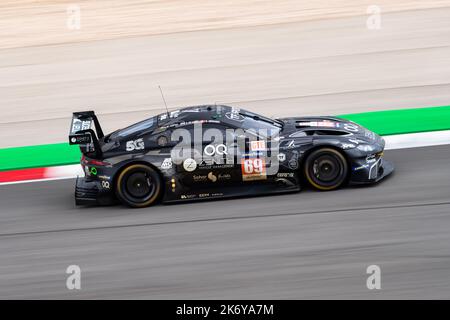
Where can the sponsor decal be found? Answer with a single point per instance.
(214, 163)
(106, 184)
(281, 157)
(188, 196)
(253, 169)
(81, 139)
(371, 158)
(234, 115)
(369, 134)
(199, 178)
(258, 145)
(212, 177)
(224, 176)
(324, 123)
(364, 166)
(347, 146)
(293, 164)
(79, 125)
(93, 171)
(355, 141)
(290, 144)
(285, 175)
(218, 194)
(204, 195)
(189, 164)
(184, 123)
(251, 154)
(211, 150)
(104, 177)
(366, 147)
(171, 115)
(135, 145)
(166, 164)
(351, 127)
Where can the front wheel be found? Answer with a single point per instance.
(326, 169)
(138, 186)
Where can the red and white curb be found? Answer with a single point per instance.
(40, 174)
(401, 141)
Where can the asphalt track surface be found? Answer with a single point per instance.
(304, 245)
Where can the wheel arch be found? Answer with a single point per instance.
(307, 153)
(321, 146)
(126, 164)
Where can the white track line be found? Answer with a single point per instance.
(393, 142)
(416, 140)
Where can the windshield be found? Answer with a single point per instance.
(263, 126)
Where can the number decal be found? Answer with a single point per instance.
(253, 169)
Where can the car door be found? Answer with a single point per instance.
(218, 162)
(255, 158)
(205, 157)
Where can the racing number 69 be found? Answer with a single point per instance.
(252, 166)
(253, 169)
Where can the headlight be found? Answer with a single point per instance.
(366, 147)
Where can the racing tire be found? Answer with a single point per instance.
(138, 186)
(326, 169)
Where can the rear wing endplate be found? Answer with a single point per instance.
(82, 132)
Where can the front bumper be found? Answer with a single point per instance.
(90, 192)
(373, 173)
(385, 169)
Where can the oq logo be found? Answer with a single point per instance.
(211, 150)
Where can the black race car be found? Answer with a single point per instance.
(216, 151)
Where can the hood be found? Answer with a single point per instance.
(332, 125)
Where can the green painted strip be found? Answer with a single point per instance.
(403, 121)
(39, 156)
(382, 122)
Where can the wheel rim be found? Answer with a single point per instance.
(139, 186)
(327, 170)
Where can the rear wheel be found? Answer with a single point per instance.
(326, 169)
(138, 186)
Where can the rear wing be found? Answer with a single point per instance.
(82, 132)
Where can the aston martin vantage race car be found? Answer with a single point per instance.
(217, 151)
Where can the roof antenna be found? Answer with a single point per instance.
(162, 95)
